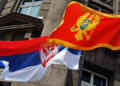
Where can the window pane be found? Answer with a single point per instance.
(37, 1)
(27, 2)
(109, 2)
(98, 8)
(98, 81)
(93, 7)
(107, 11)
(34, 11)
(86, 76)
(24, 10)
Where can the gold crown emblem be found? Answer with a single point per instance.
(85, 23)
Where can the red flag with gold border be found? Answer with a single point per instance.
(83, 28)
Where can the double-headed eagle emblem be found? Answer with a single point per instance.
(85, 25)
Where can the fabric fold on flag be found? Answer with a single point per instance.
(30, 65)
(87, 29)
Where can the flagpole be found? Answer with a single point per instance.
(81, 65)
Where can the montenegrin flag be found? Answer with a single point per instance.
(29, 60)
(83, 28)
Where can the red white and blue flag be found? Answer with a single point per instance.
(29, 60)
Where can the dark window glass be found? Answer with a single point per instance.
(35, 34)
(18, 35)
(5, 83)
(38, 1)
(109, 2)
(27, 2)
(93, 7)
(98, 81)
(86, 76)
(99, 7)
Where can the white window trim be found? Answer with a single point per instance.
(30, 7)
(92, 77)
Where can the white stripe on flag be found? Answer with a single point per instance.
(36, 72)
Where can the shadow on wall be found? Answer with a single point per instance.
(5, 84)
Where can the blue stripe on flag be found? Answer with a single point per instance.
(60, 47)
(73, 51)
(2, 65)
(17, 62)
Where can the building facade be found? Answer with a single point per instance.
(27, 19)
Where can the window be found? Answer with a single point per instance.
(30, 7)
(109, 2)
(90, 78)
(95, 7)
(100, 7)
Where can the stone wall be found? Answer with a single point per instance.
(55, 76)
(44, 8)
(8, 7)
(116, 83)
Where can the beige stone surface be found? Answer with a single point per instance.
(10, 4)
(47, 1)
(43, 13)
(116, 83)
(8, 7)
(75, 74)
(6, 11)
(56, 76)
(45, 6)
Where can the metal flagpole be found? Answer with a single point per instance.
(81, 65)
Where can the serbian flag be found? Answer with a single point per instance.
(28, 61)
(83, 28)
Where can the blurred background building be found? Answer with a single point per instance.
(28, 19)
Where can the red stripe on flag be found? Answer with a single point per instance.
(19, 47)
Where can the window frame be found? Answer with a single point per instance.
(92, 77)
(101, 6)
(103, 3)
(29, 6)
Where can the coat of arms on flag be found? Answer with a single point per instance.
(85, 25)
(31, 64)
(48, 53)
(87, 29)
